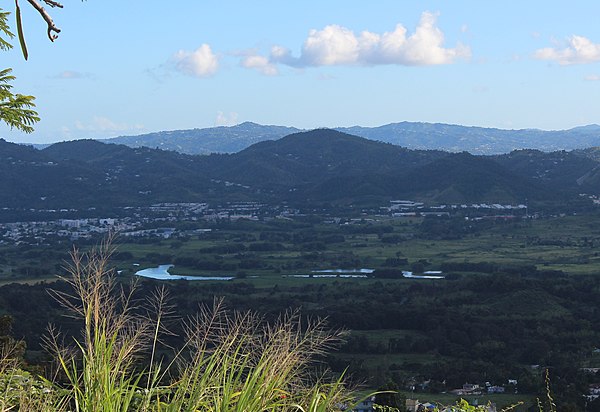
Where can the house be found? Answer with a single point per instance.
(470, 387)
(495, 389)
(413, 405)
(594, 392)
(467, 389)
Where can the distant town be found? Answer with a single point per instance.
(157, 220)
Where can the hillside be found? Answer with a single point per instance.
(412, 135)
(455, 178)
(311, 157)
(84, 174)
(463, 177)
(220, 139)
(478, 140)
(564, 170)
(33, 180)
(318, 166)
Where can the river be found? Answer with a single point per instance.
(161, 272)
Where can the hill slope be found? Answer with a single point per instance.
(311, 157)
(478, 140)
(564, 170)
(421, 136)
(209, 140)
(329, 165)
(317, 166)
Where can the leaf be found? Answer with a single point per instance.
(20, 31)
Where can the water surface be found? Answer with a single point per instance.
(161, 272)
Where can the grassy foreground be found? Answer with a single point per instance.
(228, 362)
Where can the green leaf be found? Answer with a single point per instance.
(4, 31)
(20, 32)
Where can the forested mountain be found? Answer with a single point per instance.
(318, 166)
(329, 165)
(309, 157)
(462, 177)
(478, 140)
(220, 139)
(422, 136)
(561, 169)
(32, 179)
(83, 174)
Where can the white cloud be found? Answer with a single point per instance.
(579, 50)
(101, 124)
(201, 62)
(98, 127)
(70, 74)
(336, 45)
(592, 78)
(261, 64)
(223, 119)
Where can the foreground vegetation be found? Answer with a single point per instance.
(228, 362)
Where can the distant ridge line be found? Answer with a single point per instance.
(413, 135)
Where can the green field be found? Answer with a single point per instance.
(566, 243)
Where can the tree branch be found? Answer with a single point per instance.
(53, 3)
(51, 26)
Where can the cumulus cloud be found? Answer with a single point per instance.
(336, 45)
(201, 62)
(592, 78)
(578, 50)
(261, 64)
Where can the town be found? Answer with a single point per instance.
(156, 220)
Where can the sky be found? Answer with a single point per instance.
(133, 67)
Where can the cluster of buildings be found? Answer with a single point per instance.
(40, 232)
(403, 208)
(470, 389)
(594, 198)
(593, 392)
(157, 220)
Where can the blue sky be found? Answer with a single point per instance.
(132, 67)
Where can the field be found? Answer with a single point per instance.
(567, 244)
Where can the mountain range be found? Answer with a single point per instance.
(303, 168)
(420, 136)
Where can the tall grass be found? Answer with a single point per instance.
(227, 361)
